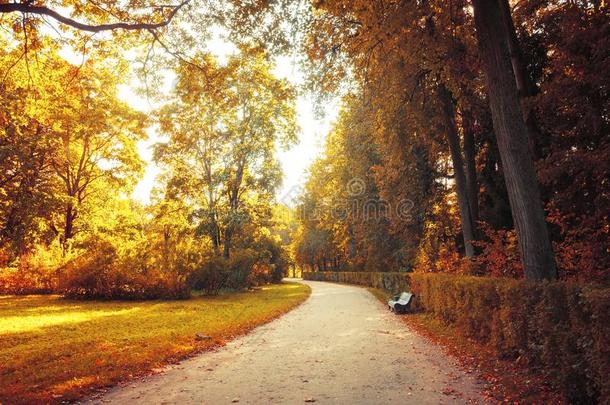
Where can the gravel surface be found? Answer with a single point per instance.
(341, 346)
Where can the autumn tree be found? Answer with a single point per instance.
(511, 132)
(28, 186)
(96, 135)
(65, 139)
(224, 126)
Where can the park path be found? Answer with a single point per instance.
(341, 346)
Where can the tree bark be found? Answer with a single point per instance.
(69, 223)
(227, 244)
(516, 57)
(511, 132)
(525, 86)
(470, 168)
(458, 168)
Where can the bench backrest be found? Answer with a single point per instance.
(405, 297)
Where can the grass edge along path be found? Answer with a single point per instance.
(505, 381)
(53, 349)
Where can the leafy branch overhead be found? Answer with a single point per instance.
(162, 15)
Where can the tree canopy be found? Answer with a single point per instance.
(472, 136)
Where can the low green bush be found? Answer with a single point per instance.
(240, 268)
(243, 269)
(217, 272)
(558, 328)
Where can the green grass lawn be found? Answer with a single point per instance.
(53, 349)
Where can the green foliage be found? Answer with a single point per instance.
(266, 261)
(211, 276)
(224, 125)
(69, 161)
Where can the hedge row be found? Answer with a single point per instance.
(560, 329)
(393, 282)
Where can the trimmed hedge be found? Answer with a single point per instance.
(393, 282)
(560, 329)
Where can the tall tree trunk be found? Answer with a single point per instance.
(471, 168)
(69, 224)
(511, 132)
(227, 244)
(525, 86)
(458, 168)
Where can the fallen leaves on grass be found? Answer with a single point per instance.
(50, 362)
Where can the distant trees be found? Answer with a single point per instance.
(344, 221)
(70, 161)
(422, 68)
(224, 126)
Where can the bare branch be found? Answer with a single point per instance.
(27, 8)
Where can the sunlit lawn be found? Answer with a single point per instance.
(52, 349)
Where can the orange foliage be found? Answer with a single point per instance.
(500, 253)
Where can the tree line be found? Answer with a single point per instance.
(486, 120)
(70, 160)
(490, 117)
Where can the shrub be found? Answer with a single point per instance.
(216, 272)
(101, 272)
(272, 260)
(33, 273)
(499, 255)
(211, 276)
(393, 282)
(240, 267)
(16, 280)
(559, 328)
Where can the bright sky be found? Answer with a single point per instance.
(294, 161)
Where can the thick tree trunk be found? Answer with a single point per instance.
(511, 133)
(525, 86)
(458, 168)
(471, 168)
(516, 57)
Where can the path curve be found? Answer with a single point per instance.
(341, 346)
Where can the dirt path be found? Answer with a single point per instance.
(340, 347)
